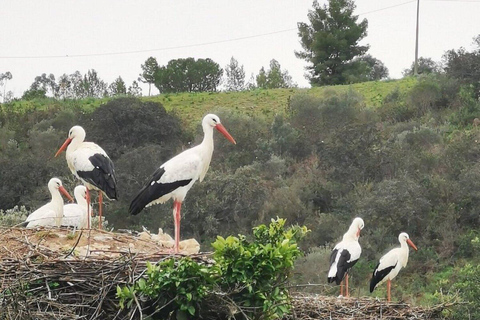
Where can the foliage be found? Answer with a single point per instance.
(251, 275)
(117, 87)
(331, 42)
(235, 75)
(464, 65)
(373, 69)
(467, 285)
(274, 77)
(188, 75)
(184, 282)
(13, 217)
(148, 72)
(425, 66)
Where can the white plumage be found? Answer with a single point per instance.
(51, 213)
(91, 164)
(77, 214)
(346, 253)
(391, 263)
(175, 177)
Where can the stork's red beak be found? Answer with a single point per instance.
(64, 146)
(358, 232)
(224, 131)
(411, 244)
(65, 193)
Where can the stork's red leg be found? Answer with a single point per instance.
(346, 286)
(177, 205)
(100, 200)
(341, 288)
(88, 209)
(388, 290)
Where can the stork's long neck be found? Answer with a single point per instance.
(76, 142)
(57, 202)
(207, 135)
(351, 234)
(405, 251)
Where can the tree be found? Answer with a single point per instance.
(425, 66)
(464, 66)
(92, 86)
(45, 83)
(117, 87)
(274, 77)
(331, 42)
(188, 75)
(235, 76)
(148, 75)
(372, 69)
(135, 90)
(3, 82)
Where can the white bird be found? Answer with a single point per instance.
(77, 215)
(51, 213)
(345, 254)
(175, 177)
(391, 263)
(91, 164)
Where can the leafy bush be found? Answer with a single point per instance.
(13, 217)
(467, 282)
(249, 276)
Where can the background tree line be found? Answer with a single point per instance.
(409, 165)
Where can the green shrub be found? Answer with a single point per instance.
(467, 284)
(249, 276)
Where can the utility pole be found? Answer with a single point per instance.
(415, 69)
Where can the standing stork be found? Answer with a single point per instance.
(51, 213)
(345, 254)
(91, 164)
(175, 177)
(391, 263)
(77, 215)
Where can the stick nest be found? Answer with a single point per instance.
(52, 274)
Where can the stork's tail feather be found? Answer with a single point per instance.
(140, 201)
(111, 192)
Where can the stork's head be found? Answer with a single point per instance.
(403, 237)
(213, 120)
(80, 193)
(56, 184)
(355, 228)
(77, 133)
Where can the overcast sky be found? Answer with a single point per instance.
(116, 37)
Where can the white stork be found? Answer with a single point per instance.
(51, 213)
(391, 263)
(91, 164)
(77, 214)
(345, 254)
(175, 177)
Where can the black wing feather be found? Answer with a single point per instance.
(378, 276)
(343, 265)
(154, 190)
(102, 176)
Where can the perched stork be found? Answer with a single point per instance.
(51, 213)
(175, 177)
(91, 164)
(345, 254)
(77, 215)
(391, 263)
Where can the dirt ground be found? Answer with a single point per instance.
(19, 243)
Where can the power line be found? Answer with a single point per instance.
(197, 44)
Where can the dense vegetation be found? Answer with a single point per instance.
(402, 155)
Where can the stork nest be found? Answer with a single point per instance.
(52, 274)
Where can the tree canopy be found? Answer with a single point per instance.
(188, 75)
(330, 43)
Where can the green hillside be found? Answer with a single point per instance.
(404, 155)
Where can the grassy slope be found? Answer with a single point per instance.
(191, 107)
(266, 103)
